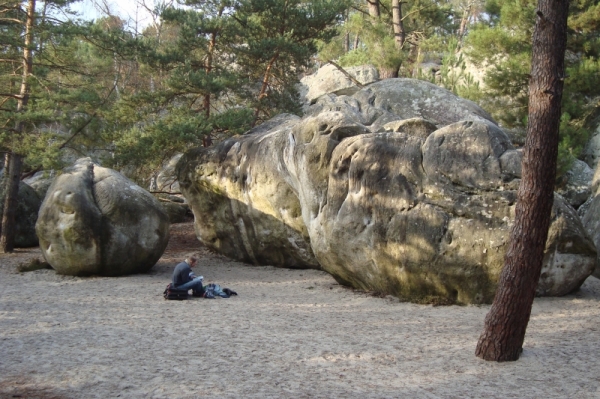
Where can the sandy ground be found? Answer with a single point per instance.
(289, 334)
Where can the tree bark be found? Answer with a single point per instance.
(208, 68)
(398, 24)
(374, 8)
(7, 235)
(346, 42)
(264, 87)
(463, 25)
(505, 324)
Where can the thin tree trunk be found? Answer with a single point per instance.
(398, 24)
(346, 42)
(264, 87)
(505, 324)
(7, 236)
(356, 41)
(208, 68)
(463, 25)
(346, 74)
(5, 177)
(464, 20)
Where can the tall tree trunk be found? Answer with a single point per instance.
(7, 236)
(398, 24)
(505, 324)
(356, 41)
(374, 8)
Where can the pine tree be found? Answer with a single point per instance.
(502, 45)
(277, 39)
(505, 324)
(396, 37)
(50, 99)
(189, 97)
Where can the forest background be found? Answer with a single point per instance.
(132, 96)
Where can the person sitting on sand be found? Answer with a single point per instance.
(185, 279)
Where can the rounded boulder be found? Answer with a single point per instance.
(95, 221)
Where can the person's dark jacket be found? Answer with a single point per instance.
(181, 274)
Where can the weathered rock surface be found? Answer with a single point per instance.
(590, 215)
(40, 182)
(591, 151)
(166, 180)
(28, 205)
(94, 221)
(577, 185)
(176, 211)
(399, 213)
(329, 79)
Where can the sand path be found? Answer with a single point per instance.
(289, 334)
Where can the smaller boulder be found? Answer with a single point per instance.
(95, 221)
(329, 79)
(178, 212)
(166, 180)
(577, 184)
(40, 182)
(591, 151)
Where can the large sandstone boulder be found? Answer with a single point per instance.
(388, 207)
(28, 205)
(94, 221)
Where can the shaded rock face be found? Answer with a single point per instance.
(590, 214)
(176, 211)
(166, 180)
(407, 213)
(591, 151)
(577, 185)
(94, 221)
(40, 182)
(28, 205)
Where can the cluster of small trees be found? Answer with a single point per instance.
(73, 87)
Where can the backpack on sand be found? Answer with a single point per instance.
(172, 293)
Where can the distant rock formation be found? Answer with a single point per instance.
(402, 188)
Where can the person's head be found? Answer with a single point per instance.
(191, 260)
